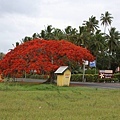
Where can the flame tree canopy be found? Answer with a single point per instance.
(42, 55)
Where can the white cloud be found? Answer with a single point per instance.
(20, 18)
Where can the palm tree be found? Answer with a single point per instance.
(43, 34)
(118, 54)
(106, 20)
(67, 32)
(113, 40)
(113, 43)
(58, 34)
(70, 34)
(82, 37)
(35, 35)
(97, 43)
(91, 24)
(47, 33)
(26, 39)
(52, 33)
(1, 55)
(68, 29)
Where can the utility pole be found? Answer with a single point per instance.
(83, 77)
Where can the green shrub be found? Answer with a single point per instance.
(76, 77)
(94, 78)
(108, 80)
(91, 71)
(36, 76)
(117, 75)
(88, 77)
(91, 77)
(27, 75)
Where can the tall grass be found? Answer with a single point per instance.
(49, 102)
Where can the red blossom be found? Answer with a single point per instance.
(42, 55)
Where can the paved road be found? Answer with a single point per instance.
(85, 84)
(98, 85)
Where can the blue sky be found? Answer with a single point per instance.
(20, 18)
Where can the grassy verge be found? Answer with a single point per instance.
(49, 102)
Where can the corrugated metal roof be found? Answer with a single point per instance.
(61, 69)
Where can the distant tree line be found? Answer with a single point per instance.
(105, 46)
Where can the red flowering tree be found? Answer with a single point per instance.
(42, 55)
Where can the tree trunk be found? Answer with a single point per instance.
(51, 78)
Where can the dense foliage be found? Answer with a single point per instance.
(42, 56)
(104, 45)
(94, 78)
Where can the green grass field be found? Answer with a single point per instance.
(49, 102)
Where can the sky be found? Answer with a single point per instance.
(20, 18)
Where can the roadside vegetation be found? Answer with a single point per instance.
(104, 45)
(95, 34)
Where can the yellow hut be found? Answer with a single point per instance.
(63, 76)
